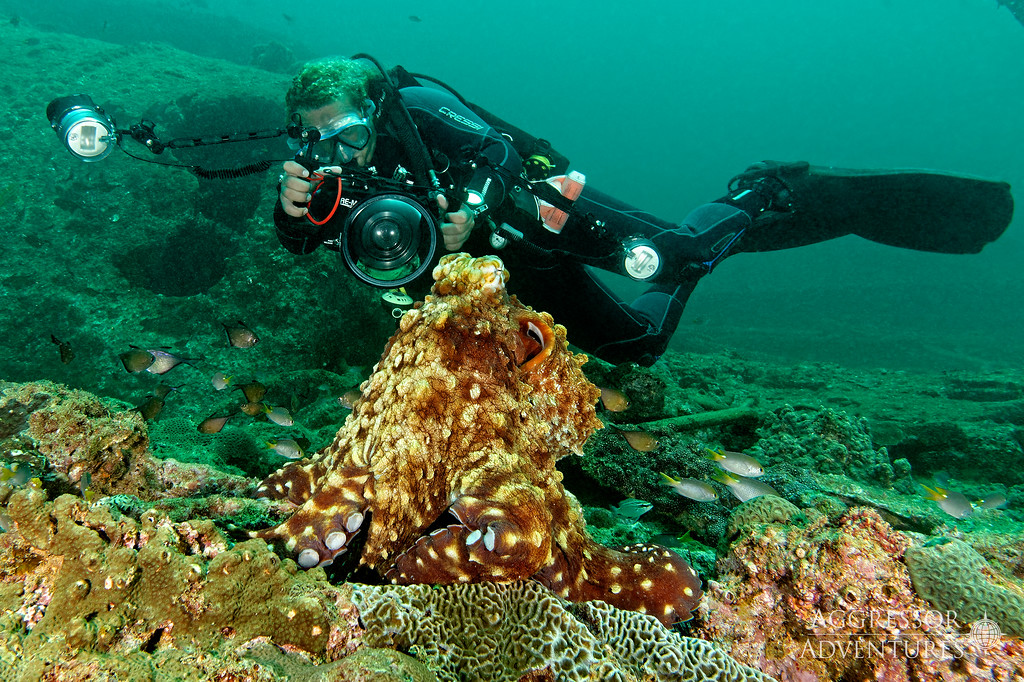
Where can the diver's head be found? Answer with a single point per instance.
(337, 96)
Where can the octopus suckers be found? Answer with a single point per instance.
(335, 541)
(353, 522)
(308, 558)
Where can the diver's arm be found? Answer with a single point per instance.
(448, 125)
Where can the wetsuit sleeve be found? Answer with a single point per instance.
(297, 235)
(454, 129)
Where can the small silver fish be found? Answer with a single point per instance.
(279, 415)
(632, 508)
(348, 398)
(286, 447)
(735, 462)
(692, 488)
(239, 335)
(164, 362)
(996, 501)
(614, 400)
(950, 501)
(220, 381)
(745, 488)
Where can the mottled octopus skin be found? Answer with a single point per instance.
(474, 399)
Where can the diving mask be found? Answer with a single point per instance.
(342, 137)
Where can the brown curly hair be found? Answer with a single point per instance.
(328, 80)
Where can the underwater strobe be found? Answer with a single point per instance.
(82, 126)
(641, 260)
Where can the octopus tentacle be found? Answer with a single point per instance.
(494, 541)
(322, 527)
(645, 578)
(294, 482)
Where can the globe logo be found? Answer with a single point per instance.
(985, 633)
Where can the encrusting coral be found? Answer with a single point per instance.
(828, 600)
(474, 399)
(99, 581)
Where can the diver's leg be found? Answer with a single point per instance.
(913, 209)
(689, 249)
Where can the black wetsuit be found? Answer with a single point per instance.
(770, 206)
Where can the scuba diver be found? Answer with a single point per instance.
(363, 132)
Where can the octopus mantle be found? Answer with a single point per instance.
(474, 399)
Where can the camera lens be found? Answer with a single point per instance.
(386, 234)
(389, 240)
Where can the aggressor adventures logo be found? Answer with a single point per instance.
(920, 634)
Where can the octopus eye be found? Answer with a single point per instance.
(537, 340)
(534, 332)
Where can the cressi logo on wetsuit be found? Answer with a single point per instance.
(459, 118)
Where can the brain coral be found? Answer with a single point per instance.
(954, 577)
(514, 631)
(763, 509)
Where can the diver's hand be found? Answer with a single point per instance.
(458, 226)
(297, 188)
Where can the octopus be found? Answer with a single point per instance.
(447, 460)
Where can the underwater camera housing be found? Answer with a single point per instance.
(388, 236)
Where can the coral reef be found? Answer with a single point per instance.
(521, 631)
(105, 582)
(87, 593)
(75, 434)
(831, 601)
(761, 510)
(825, 441)
(957, 579)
